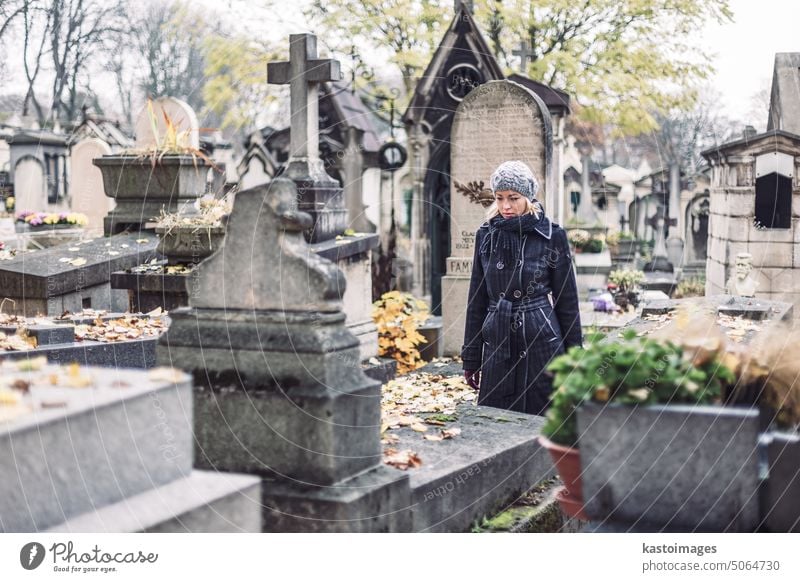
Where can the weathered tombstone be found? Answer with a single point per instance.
(86, 186)
(496, 122)
(180, 114)
(280, 387)
(128, 435)
(29, 185)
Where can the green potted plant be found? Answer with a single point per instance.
(583, 241)
(625, 288)
(621, 378)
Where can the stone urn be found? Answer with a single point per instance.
(144, 186)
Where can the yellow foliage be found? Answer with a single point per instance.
(397, 316)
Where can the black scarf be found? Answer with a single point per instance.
(506, 233)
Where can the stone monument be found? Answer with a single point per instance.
(280, 389)
(320, 195)
(498, 121)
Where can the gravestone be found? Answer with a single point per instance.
(29, 185)
(93, 450)
(498, 121)
(280, 388)
(182, 116)
(74, 276)
(86, 186)
(319, 195)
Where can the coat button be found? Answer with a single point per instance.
(517, 294)
(519, 262)
(500, 264)
(523, 353)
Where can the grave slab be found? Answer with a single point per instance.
(72, 450)
(44, 283)
(496, 458)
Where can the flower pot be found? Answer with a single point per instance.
(568, 464)
(144, 190)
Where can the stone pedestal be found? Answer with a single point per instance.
(280, 391)
(324, 202)
(353, 256)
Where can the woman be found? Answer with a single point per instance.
(523, 300)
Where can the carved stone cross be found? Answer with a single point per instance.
(303, 72)
(525, 53)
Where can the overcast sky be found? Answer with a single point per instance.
(745, 50)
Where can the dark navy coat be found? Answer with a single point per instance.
(522, 311)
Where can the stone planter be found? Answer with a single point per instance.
(780, 511)
(624, 250)
(681, 467)
(189, 244)
(142, 190)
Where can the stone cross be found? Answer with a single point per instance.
(303, 72)
(525, 53)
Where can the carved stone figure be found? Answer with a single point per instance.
(742, 283)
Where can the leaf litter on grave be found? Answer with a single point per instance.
(404, 402)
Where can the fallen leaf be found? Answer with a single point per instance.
(449, 433)
(157, 312)
(77, 262)
(8, 398)
(113, 253)
(401, 459)
(54, 403)
(417, 427)
(32, 364)
(141, 240)
(21, 385)
(124, 246)
(74, 248)
(433, 437)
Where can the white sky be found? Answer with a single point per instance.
(745, 51)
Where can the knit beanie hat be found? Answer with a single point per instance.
(516, 176)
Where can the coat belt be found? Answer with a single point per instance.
(502, 326)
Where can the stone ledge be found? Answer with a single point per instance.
(495, 459)
(201, 502)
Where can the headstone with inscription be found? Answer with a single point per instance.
(496, 122)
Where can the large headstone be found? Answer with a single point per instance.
(282, 392)
(86, 186)
(180, 114)
(29, 185)
(496, 122)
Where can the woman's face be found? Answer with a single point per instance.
(510, 203)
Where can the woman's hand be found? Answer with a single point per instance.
(473, 378)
